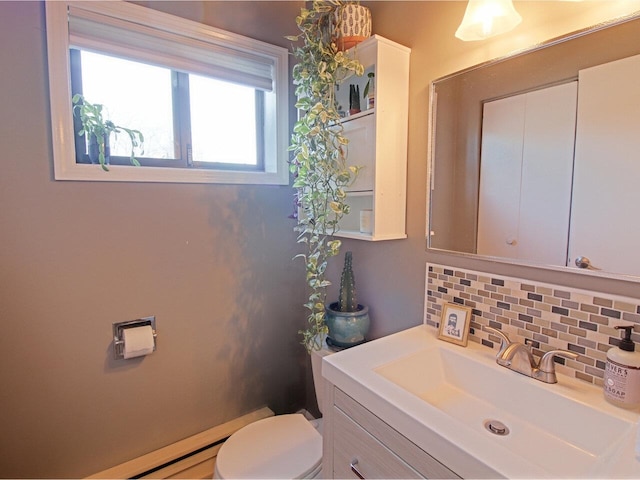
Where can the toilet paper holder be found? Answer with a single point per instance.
(120, 327)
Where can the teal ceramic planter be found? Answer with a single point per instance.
(347, 329)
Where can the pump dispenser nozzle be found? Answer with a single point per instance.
(626, 343)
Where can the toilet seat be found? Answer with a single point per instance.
(284, 446)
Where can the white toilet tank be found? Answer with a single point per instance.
(316, 368)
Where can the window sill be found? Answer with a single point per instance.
(121, 173)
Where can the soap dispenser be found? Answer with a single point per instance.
(622, 372)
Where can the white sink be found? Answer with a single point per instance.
(568, 437)
(440, 396)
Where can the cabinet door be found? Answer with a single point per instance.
(607, 166)
(526, 173)
(361, 150)
(500, 172)
(547, 173)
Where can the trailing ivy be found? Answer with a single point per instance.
(318, 162)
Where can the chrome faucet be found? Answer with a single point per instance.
(518, 357)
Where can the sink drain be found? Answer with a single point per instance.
(496, 427)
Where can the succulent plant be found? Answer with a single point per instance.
(347, 302)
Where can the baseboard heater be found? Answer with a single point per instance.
(193, 457)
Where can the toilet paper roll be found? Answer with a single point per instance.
(138, 341)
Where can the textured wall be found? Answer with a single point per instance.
(212, 262)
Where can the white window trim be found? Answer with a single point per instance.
(64, 157)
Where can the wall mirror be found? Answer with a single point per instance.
(534, 157)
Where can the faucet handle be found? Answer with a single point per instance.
(547, 364)
(504, 340)
(547, 369)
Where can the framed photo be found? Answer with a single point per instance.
(454, 324)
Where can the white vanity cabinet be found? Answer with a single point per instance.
(358, 444)
(378, 141)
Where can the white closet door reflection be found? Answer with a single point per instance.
(607, 167)
(525, 175)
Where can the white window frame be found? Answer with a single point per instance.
(276, 170)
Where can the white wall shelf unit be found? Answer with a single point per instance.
(378, 141)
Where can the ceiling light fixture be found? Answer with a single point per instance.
(487, 18)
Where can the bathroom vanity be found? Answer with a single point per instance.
(412, 406)
(366, 446)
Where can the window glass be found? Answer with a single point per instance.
(223, 122)
(135, 95)
(220, 128)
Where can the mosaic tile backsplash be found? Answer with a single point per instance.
(542, 315)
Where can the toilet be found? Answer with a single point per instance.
(284, 446)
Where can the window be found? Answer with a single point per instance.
(213, 106)
(188, 120)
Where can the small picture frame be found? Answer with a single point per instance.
(454, 324)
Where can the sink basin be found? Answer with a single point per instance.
(441, 396)
(563, 433)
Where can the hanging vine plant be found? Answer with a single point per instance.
(318, 162)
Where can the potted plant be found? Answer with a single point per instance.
(318, 162)
(348, 321)
(353, 24)
(97, 130)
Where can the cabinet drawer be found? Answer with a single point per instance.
(354, 445)
(418, 462)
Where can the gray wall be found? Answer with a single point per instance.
(212, 262)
